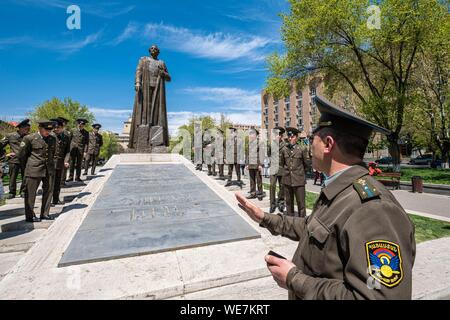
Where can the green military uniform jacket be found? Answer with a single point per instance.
(39, 155)
(79, 140)
(14, 140)
(233, 153)
(278, 172)
(357, 244)
(95, 143)
(253, 165)
(62, 153)
(294, 164)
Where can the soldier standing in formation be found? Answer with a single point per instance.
(93, 149)
(219, 153)
(62, 155)
(293, 163)
(68, 134)
(358, 243)
(233, 161)
(16, 165)
(254, 166)
(276, 176)
(78, 149)
(38, 151)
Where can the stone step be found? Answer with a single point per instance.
(19, 240)
(19, 224)
(8, 261)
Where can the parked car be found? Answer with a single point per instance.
(425, 159)
(385, 160)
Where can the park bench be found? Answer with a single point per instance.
(390, 179)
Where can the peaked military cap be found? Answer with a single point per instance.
(58, 122)
(341, 120)
(82, 121)
(232, 129)
(64, 120)
(46, 124)
(281, 130)
(23, 124)
(291, 131)
(96, 126)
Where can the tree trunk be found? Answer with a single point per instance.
(394, 151)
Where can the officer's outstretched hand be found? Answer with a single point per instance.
(279, 268)
(252, 210)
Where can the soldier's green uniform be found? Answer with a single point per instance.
(232, 160)
(39, 153)
(93, 150)
(68, 134)
(294, 164)
(276, 177)
(62, 155)
(78, 147)
(219, 153)
(16, 165)
(254, 165)
(359, 242)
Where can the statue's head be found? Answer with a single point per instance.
(154, 51)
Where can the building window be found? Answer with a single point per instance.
(312, 92)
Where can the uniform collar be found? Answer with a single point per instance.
(344, 179)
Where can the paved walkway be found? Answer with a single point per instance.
(423, 204)
(18, 236)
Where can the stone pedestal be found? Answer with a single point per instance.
(149, 139)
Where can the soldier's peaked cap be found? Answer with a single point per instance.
(64, 120)
(281, 130)
(58, 122)
(344, 121)
(292, 131)
(96, 126)
(46, 124)
(82, 121)
(23, 124)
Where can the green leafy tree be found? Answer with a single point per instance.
(110, 146)
(66, 108)
(335, 39)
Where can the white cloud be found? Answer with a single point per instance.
(66, 47)
(126, 34)
(217, 45)
(228, 98)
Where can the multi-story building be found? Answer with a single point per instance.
(246, 127)
(296, 110)
(124, 138)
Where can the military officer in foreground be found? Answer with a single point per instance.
(16, 165)
(294, 165)
(38, 150)
(93, 150)
(358, 243)
(62, 155)
(277, 175)
(78, 149)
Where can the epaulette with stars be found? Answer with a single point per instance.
(365, 188)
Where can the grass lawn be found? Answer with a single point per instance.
(429, 175)
(426, 228)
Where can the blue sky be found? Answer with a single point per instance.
(215, 52)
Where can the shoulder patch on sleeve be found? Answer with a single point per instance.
(22, 144)
(384, 262)
(365, 189)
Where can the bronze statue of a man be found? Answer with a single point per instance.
(150, 108)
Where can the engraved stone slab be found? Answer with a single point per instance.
(151, 208)
(156, 136)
